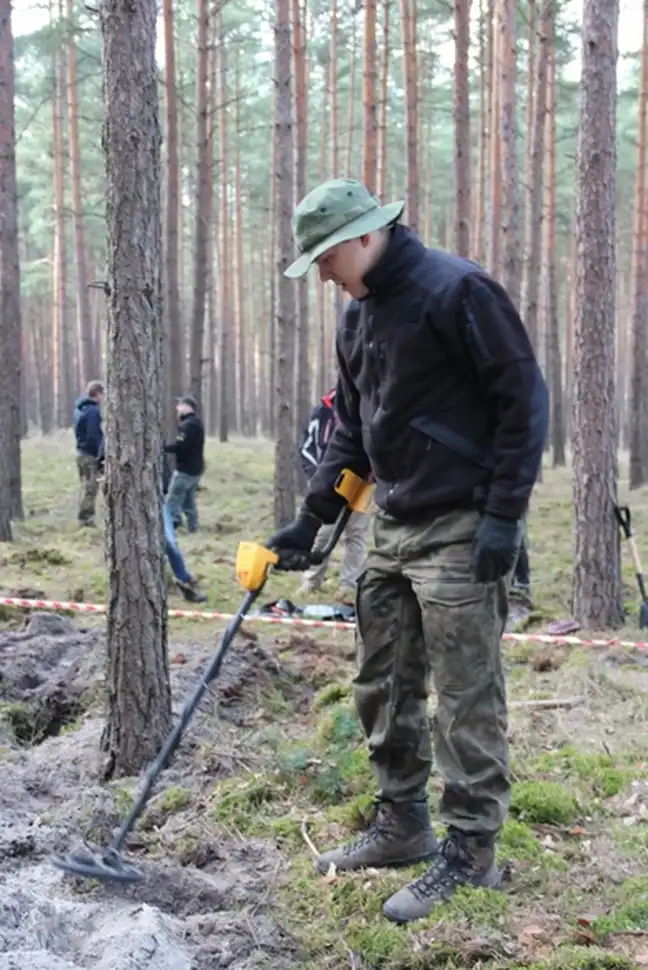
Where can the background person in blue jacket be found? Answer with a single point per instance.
(90, 446)
(188, 449)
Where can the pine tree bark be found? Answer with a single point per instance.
(227, 359)
(638, 410)
(462, 127)
(370, 142)
(88, 358)
(495, 141)
(174, 324)
(10, 319)
(284, 483)
(510, 225)
(413, 190)
(139, 698)
(384, 105)
(535, 177)
(598, 601)
(556, 397)
(302, 376)
(202, 188)
(64, 372)
(478, 247)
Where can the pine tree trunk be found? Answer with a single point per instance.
(284, 484)
(638, 410)
(510, 224)
(495, 181)
(351, 130)
(408, 21)
(557, 402)
(370, 142)
(139, 712)
(174, 323)
(598, 600)
(462, 127)
(65, 371)
(10, 321)
(88, 358)
(383, 138)
(303, 403)
(535, 177)
(203, 183)
(226, 385)
(478, 247)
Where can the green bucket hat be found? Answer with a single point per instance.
(334, 212)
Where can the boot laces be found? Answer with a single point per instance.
(381, 829)
(450, 868)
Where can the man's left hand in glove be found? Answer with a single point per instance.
(496, 548)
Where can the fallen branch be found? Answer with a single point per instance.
(548, 703)
(307, 840)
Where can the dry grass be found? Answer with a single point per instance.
(576, 844)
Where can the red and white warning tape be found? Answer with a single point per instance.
(66, 606)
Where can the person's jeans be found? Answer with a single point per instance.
(173, 552)
(181, 497)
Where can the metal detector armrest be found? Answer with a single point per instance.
(356, 493)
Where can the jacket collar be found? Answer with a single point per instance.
(404, 250)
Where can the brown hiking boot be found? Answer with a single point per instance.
(399, 835)
(462, 860)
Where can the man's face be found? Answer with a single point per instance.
(346, 264)
(183, 409)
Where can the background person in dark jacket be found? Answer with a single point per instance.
(441, 398)
(188, 449)
(312, 447)
(185, 581)
(90, 446)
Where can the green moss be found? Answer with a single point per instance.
(518, 841)
(331, 694)
(629, 913)
(480, 907)
(339, 726)
(174, 800)
(543, 802)
(603, 775)
(579, 958)
(240, 802)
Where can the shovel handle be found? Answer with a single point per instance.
(636, 562)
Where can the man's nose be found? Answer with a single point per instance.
(323, 272)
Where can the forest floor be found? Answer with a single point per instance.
(276, 752)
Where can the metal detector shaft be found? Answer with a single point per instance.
(162, 760)
(340, 524)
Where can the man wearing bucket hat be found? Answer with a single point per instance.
(440, 397)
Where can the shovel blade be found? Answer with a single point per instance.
(643, 616)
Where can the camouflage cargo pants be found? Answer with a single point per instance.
(89, 481)
(421, 616)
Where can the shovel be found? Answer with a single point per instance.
(622, 513)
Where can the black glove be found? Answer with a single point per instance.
(496, 548)
(295, 541)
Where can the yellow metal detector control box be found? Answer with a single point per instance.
(253, 562)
